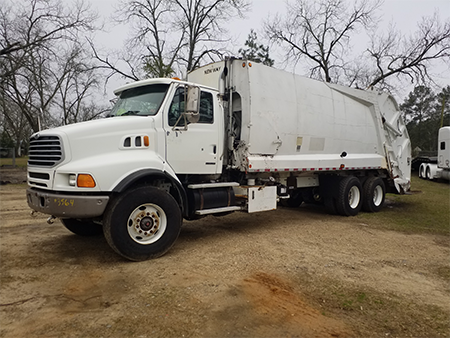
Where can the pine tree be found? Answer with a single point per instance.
(256, 52)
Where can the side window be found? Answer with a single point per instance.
(206, 108)
(177, 107)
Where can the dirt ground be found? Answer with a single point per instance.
(286, 273)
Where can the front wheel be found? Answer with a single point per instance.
(82, 227)
(142, 223)
(349, 201)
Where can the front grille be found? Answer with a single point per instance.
(45, 151)
(41, 176)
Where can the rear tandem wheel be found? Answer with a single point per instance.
(349, 199)
(374, 193)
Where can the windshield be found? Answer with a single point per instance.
(143, 101)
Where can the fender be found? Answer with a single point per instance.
(137, 175)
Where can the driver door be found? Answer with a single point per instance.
(193, 148)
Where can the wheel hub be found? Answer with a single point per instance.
(146, 224)
(353, 197)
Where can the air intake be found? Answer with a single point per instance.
(45, 151)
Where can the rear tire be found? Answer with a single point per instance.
(422, 171)
(428, 174)
(349, 201)
(82, 227)
(142, 223)
(373, 194)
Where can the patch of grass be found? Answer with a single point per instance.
(21, 162)
(378, 314)
(425, 210)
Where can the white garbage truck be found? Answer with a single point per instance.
(236, 136)
(439, 169)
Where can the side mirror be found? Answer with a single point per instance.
(193, 104)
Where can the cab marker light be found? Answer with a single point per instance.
(146, 141)
(85, 181)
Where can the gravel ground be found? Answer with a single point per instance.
(285, 273)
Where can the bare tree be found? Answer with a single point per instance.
(171, 36)
(129, 57)
(35, 24)
(41, 55)
(14, 127)
(152, 30)
(410, 57)
(75, 92)
(320, 32)
(202, 22)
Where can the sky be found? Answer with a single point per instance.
(405, 14)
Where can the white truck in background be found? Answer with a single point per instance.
(237, 136)
(441, 169)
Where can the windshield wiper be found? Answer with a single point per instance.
(131, 112)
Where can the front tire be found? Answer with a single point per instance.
(374, 194)
(349, 201)
(142, 223)
(82, 227)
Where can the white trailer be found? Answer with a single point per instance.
(237, 136)
(441, 169)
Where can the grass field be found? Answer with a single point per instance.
(425, 210)
(21, 162)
